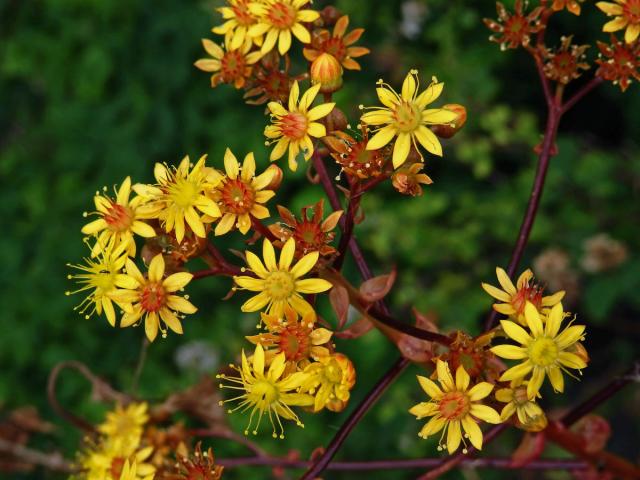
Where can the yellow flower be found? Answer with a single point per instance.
(406, 118)
(231, 65)
(179, 195)
(241, 193)
(119, 220)
(518, 402)
(238, 21)
(278, 19)
(627, 15)
(545, 352)
(454, 408)
(125, 423)
(280, 284)
(107, 459)
(299, 340)
(330, 381)
(293, 128)
(103, 278)
(270, 392)
(514, 297)
(154, 298)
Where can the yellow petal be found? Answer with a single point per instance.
(94, 227)
(554, 320)
(320, 111)
(480, 391)
(256, 303)
(454, 436)
(213, 49)
(312, 285)
(269, 255)
(434, 425)
(614, 25)
(487, 414)
(569, 336)
(293, 96)
(444, 375)
(535, 382)
(610, 8)
(250, 283)
(381, 138)
(286, 255)
(316, 130)
(156, 268)
(428, 140)
(256, 265)
(231, 165)
(632, 33)
(462, 379)
(431, 93)
(556, 378)
(280, 149)
(151, 326)
(171, 320)
(473, 431)
(305, 264)
(143, 229)
(496, 293)
(505, 282)
(571, 360)
(516, 332)
(518, 372)
(532, 317)
(510, 352)
(387, 97)
(225, 224)
(401, 149)
(409, 87)
(300, 32)
(284, 41)
(176, 281)
(180, 304)
(258, 360)
(429, 387)
(423, 409)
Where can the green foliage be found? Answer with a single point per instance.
(92, 91)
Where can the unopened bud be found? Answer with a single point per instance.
(448, 131)
(277, 177)
(336, 120)
(327, 71)
(329, 15)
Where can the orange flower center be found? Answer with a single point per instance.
(153, 297)
(407, 117)
(454, 405)
(294, 125)
(631, 11)
(232, 65)
(309, 235)
(336, 47)
(565, 64)
(237, 196)
(282, 16)
(243, 16)
(294, 342)
(116, 467)
(118, 218)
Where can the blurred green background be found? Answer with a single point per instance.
(94, 90)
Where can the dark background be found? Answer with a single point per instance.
(94, 90)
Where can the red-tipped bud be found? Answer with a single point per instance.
(448, 131)
(277, 177)
(327, 71)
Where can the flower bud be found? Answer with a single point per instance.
(327, 71)
(277, 177)
(336, 120)
(448, 131)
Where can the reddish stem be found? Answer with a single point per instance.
(322, 462)
(502, 463)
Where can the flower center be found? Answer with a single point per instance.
(153, 297)
(294, 342)
(237, 196)
(294, 125)
(454, 405)
(528, 293)
(279, 285)
(335, 46)
(515, 29)
(118, 218)
(232, 65)
(543, 352)
(309, 235)
(263, 393)
(282, 16)
(243, 16)
(104, 280)
(631, 11)
(183, 193)
(407, 117)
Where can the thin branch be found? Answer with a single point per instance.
(53, 461)
(321, 463)
(450, 462)
(349, 224)
(229, 435)
(407, 464)
(602, 395)
(142, 358)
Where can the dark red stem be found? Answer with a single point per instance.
(502, 463)
(320, 464)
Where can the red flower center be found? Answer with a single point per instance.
(294, 125)
(631, 11)
(118, 218)
(515, 29)
(294, 342)
(116, 467)
(528, 293)
(237, 196)
(454, 405)
(336, 47)
(232, 66)
(309, 235)
(282, 16)
(153, 297)
(243, 16)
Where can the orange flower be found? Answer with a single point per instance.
(231, 65)
(337, 44)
